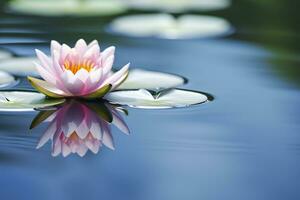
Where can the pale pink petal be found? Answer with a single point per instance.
(55, 46)
(92, 52)
(65, 50)
(94, 81)
(44, 60)
(80, 46)
(82, 75)
(46, 75)
(47, 88)
(94, 42)
(108, 52)
(117, 77)
(107, 64)
(72, 83)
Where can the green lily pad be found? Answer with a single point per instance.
(4, 55)
(179, 6)
(6, 80)
(167, 27)
(151, 80)
(173, 98)
(13, 101)
(19, 66)
(68, 7)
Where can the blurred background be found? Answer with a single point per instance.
(243, 145)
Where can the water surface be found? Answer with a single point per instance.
(243, 145)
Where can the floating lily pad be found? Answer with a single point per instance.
(168, 27)
(13, 101)
(68, 7)
(178, 6)
(172, 98)
(6, 80)
(4, 55)
(22, 66)
(152, 80)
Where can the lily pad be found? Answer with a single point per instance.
(19, 66)
(6, 80)
(13, 101)
(4, 55)
(168, 27)
(151, 80)
(179, 6)
(173, 98)
(68, 7)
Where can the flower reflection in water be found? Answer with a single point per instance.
(77, 127)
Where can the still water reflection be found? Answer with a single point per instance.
(77, 127)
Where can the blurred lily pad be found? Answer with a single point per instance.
(19, 66)
(172, 98)
(167, 27)
(6, 80)
(179, 6)
(68, 7)
(4, 55)
(152, 80)
(13, 101)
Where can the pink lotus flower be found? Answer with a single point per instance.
(82, 71)
(76, 128)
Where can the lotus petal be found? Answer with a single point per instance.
(46, 88)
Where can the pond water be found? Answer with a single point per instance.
(243, 145)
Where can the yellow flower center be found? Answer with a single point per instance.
(75, 67)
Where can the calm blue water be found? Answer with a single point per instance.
(243, 145)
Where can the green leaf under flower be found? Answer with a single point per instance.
(172, 98)
(15, 100)
(101, 92)
(151, 80)
(45, 88)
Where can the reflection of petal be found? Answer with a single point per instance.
(119, 122)
(56, 145)
(73, 117)
(107, 139)
(47, 135)
(76, 128)
(95, 129)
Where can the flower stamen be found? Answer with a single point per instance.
(75, 67)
